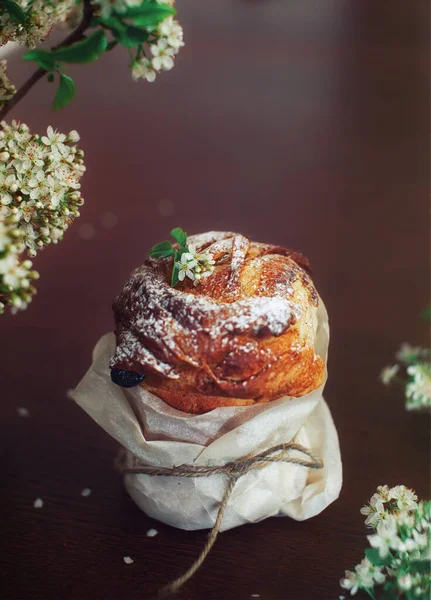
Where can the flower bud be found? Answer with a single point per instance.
(4, 156)
(73, 136)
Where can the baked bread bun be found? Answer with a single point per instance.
(244, 335)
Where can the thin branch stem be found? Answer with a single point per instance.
(75, 36)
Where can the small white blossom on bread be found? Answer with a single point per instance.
(185, 266)
(128, 560)
(86, 492)
(23, 412)
(388, 374)
(38, 503)
(191, 264)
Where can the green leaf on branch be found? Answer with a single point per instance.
(83, 52)
(179, 236)
(130, 36)
(147, 15)
(45, 60)
(65, 93)
(163, 250)
(420, 566)
(15, 11)
(374, 557)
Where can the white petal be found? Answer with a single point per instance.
(168, 63)
(157, 63)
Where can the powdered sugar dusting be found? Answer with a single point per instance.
(159, 328)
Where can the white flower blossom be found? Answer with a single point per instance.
(375, 511)
(350, 581)
(406, 498)
(388, 374)
(53, 138)
(369, 573)
(418, 389)
(143, 69)
(385, 537)
(163, 55)
(185, 266)
(172, 32)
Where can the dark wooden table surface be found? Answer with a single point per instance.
(300, 122)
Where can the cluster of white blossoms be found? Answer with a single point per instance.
(15, 275)
(416, 364)
(40, 17)
(162, 51)
(400, 553)
(194, 265)
(39, 197)
(418, 388)
(7, 89)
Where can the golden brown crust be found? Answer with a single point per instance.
(244, 335)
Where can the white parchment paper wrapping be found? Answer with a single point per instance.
(160, 435)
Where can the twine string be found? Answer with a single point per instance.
(127, 463)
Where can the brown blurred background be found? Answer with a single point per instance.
(299, 122)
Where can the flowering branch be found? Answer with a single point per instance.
(399, 557)
(413, 372)
(39, 174)
(75, 36)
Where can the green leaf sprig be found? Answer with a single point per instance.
(165, 249)
(132, 28)
(15, 11)
(83, 52)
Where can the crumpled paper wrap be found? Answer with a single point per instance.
(160, 435)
